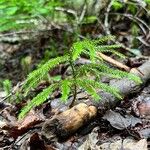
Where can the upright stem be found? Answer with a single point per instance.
(75, 86)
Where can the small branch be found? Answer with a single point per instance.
(83, 13)
(114, 62)
(106, 24)
(124, 47)
(14, 90)
(69, 11)
(136, 19)
(74, 77)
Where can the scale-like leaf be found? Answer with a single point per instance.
(77, 49)
(65, 88)
(39, 99)
(99, 85)
(89, 88)
(36, 76)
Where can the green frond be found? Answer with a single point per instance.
(36, 76)
(107, 88)
(79, 77)
(85, 70)
(119, 73)
(90, 47)
(103, 69)
(108, 47)
(91, 69)
(114, 91)
(103, 39)
(39, 99)
(111, 49)
(92, 51)
(100, 74)
(114, 52)
(89, 88)
(85, 45)
(95, 72)
(134, 78)
(77, 49)
(81, 70)
(65, 88)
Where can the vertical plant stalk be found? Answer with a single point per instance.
(74, 77)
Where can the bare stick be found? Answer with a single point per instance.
(114, 62)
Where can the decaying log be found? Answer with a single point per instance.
(125, 87)
(70, 121)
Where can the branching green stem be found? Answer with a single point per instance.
(75, 85)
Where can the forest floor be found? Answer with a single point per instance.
(126, 126)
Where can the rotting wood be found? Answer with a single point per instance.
(70, 121)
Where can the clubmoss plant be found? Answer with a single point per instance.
(7, 86)
(80, 76)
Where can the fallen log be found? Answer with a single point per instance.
(69, 121)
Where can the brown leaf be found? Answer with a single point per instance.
(29, 121)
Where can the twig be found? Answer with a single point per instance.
(83, 13)
(124, 47)
(136, 19)
(114, 62)
(117, 63)
(69, 11)
(106, 24)
(133, 3)
(13, 91)
(26, 32)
